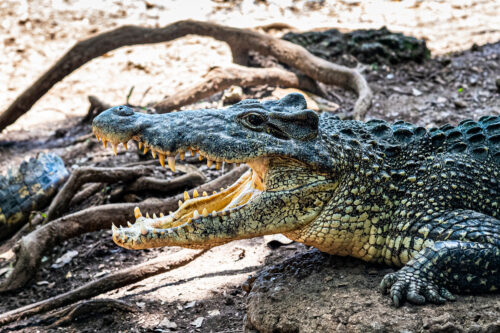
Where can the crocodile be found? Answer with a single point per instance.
(424, 200)
(372, 46)
(28, 187)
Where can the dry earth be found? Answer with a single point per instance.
(446, 89)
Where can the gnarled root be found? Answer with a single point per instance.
(239, 40)
(30, 248)
(112, 281)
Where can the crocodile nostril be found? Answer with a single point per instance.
(123, 110)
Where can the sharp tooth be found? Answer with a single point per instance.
(180, 203)
(137, 212)
(144, 231)
(170, 219)
(196, 214)
(104, 143)
(182, 155)
(204, 212)
(147, 215)
(161, 157)
(97, 137)
(161, 215)
(214, 192)
(145, 149)
(154, 216)
(222, 189)
(114, 228)
(214, 213)
(153, 153)
(209, 163)
(218, 165)
(125, 145)
(129, 224)
(140, 145)
(223, 212)
(115, 147)
(200, 157)
(171, 163)
(195, 194)
(205, 194)
(186, 196)
(193, 153)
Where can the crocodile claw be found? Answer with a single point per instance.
(408, 284)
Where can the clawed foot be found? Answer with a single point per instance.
(410, 285)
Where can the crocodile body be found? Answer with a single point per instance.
(424, 200)
(26, 188)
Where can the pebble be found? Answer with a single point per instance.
(460, 103)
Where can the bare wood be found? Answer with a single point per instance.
(85, 175)
(30, 248)
(239, 40)
(110, 282)
(220, 78)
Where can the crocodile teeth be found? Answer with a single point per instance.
(195, 194)
(186, 196)
(104, 142)
(153, 153)
(144, 231)
(145, 149)
(154, 216)
(115, 147)
(205, 194)
(210, 163)
(129, 224)
(214, 213)
(180, 203)
(161, 157)
(218, 165)
(171, 163)
(182, 155)
(140, 145)
(196, 214)
(137, 212)
(125, 145)
(147, 215)
(204, 212)
(161, 214)
(200, 157)
(113, 227)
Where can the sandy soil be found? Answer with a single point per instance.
(34, 34)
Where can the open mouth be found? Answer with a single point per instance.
(196, 206)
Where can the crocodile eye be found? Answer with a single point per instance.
(255, 119)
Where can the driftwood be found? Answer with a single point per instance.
(30, 248)
(112, 281)
(220, 78)
(241, 41)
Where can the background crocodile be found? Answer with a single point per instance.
(424, 200)
(28, 187)
(379, 46)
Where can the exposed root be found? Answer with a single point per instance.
(220, 78)
(30, 248)
(239, 40)
(110, 282)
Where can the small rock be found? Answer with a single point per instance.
(167, 323)
(213, 313)
(68, 275)
(441, 100)
(190, 305)
(140, 304)
(390, 76)
(64, 259)
(460, 104)
(416, 92)
(198, 322)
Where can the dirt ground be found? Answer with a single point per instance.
(457, 83)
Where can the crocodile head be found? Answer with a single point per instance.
(289, 182)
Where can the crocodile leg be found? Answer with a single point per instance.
(462, 255)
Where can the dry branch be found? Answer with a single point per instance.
(112, 281)
(220, 78)
(30, 248)
(239, 40)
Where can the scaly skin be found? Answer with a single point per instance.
(26, 188)
(424, 200)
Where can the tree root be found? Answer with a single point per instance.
(220, 78)
(110, 282)
(30, 248)
(239, 40)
